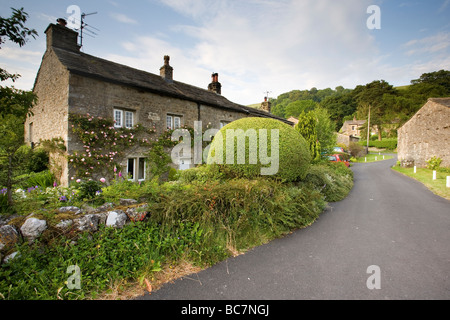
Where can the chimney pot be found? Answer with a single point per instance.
(61, 22)
(215, 85)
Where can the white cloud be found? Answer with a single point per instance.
(278, 45)
(428, 45)
(120, 17)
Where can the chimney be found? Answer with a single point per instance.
(215, 85)
(59, 36)
(166, 70)
(266, 105)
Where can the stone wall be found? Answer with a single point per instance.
(50, 119)
(426, 134)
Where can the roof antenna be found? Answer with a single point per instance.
(84, 25)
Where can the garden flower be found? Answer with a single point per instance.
(103, 180)
(78, 181)
(120, 174)
(63, 199)
(55, 184)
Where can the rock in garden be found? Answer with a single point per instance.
(138, 213)
(127, 202)
(69, 209)
(105, 207)
(64, 224)
(116, 219)
(8, 237)
(87, 223)
(10, 257)
(33, 228)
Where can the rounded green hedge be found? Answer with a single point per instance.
(293, 154)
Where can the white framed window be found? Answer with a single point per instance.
(118, 118)
(136, 169)
(129, 119)
(123, 118)
(173, 122)
(224, 123)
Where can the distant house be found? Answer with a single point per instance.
(426, 134)
(72, 82)
(352, 127)
(350, 131)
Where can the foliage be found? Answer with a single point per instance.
(333, 180)
(202, 174)
(390, 144)
(325, 129)
(136, 251)
(43, 179)
(434, 163)
(356, 150)
(293, 155)
(306, 126)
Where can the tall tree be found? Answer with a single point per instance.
(15, 104)
(374, 95)
(307, 127)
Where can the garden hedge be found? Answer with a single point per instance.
(294, 156)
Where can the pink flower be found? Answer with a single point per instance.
(103, 180)
(78, 180)
(120, 174)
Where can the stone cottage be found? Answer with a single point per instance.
(426, 134)
(72, 82)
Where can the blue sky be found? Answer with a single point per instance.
(254, 45)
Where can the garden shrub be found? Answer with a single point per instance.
(333, 180)
(356, 150)
(390, 144)
(42, 179)
(239, 213)
(294, 155)
(201, 174)
(434, 163)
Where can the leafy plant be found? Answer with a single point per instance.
(434, 163)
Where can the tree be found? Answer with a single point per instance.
(325, 129)
(295, 108)
(307, 127)
(15, 104)
(374, 96)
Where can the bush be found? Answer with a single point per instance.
(294, 157)
(42, 179)
(333, 180)
(356, 150)
(390, 144)
(202, 174)
(238, 213)
(434, 163)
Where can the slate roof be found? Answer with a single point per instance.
(442, 101)
(89, 66)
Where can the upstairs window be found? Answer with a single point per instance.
(173, 122)
(123, 118)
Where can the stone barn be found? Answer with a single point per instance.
(70, 82)
(426, 134)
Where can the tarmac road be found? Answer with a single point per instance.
(388, 221)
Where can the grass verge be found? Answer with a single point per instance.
(425, 176)
(373, 157)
